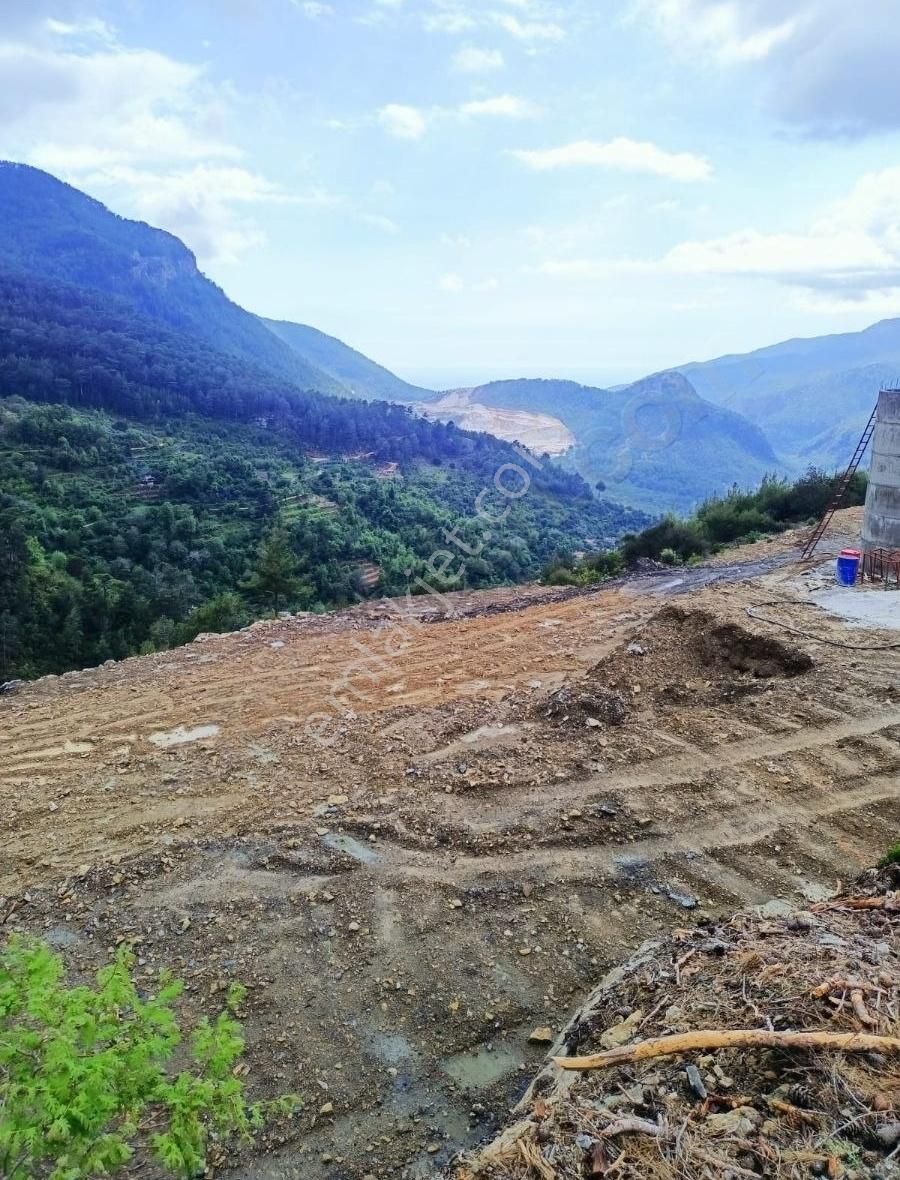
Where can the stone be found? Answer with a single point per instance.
(541, 1036)
(11, 687)
(741, 1121)
(696, 1082)
(622, 1033)
(888, 1134)
(327, 1108)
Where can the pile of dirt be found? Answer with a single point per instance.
(683, 654)
(758, 1110)
(583, 703)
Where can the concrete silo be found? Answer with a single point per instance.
(881, 524)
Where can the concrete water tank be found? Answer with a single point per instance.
(881, 524)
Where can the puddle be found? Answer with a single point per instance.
(390, 1048)
(181, 736)
(478, 1069)
(340, 842)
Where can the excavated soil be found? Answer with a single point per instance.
(478, 835)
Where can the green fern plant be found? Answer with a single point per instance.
(86, 1072)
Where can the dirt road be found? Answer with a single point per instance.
(500, 804)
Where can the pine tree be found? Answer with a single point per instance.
(276, 566)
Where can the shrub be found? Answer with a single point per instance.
(85, 1072)
(891, 857)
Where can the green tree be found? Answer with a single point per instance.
(86, 1072)
(274, 577)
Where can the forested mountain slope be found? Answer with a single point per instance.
(52, 231)
(360, 376)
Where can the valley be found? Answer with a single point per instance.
(417, 831)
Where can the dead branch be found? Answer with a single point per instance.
(890, 901)
(795, 1113)
(707, 1039)
(635, 1126)
(721, 1168)
(837, 985)
(859, 1007)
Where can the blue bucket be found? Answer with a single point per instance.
(848, 567)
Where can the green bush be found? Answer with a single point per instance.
(86, 1072)
(741, 516)
(891, 857)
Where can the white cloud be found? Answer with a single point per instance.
(455, 284)
(529, 30)
(403, 122)
(314, 9)
(621, 155)
(533, 21)
(472, 60)
(452, 283)
(505, 106)
(456, 241)
(827, 66)
(449, 22)
(849, 254)
(854, 246)
(93, 28)
(730, 31)
(380, 222)
(136, 128)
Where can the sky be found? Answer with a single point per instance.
(474, 189)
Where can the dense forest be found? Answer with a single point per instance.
(737, 518)
(123, 535)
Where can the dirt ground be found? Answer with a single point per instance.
(419, 831)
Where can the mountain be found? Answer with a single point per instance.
(813, 396)
(50, 230)
(157, 479)
(359, 376)
(655, 444)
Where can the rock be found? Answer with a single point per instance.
(776, 908)
(327, 1108)
(696, 1082)
(888, 1134)
(353, 927)
(11, 687)
(541, 1036)
(741, 1121)
(622, 1033)
(635, 649)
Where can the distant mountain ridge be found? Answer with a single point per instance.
(356, 373)
(811, 396)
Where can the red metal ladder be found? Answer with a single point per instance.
(840, 491)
